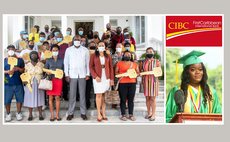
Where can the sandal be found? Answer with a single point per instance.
(131, 117)
(148, 116)
(52, 119)
(152, 119)
(123, 118)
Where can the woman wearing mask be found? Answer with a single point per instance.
(150, 83)
(36, 98)
(127, 86)
(101, 69)
(53, 64)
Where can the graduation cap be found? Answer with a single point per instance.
(188, 59)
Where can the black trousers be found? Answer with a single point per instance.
(88, 91)
(127, 92)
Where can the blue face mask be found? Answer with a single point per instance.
(68, 32)
(80, 32)
(42, 39)
(25, 36)
(59, 39)
(56, 34)
(127, 48)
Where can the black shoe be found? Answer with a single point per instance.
(41, 118)
(52, 119)
(30, 118)
(69, 117)
(84, 117)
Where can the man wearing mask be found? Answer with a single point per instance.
(117, 38)
(13, 84)
(76, 66)
(108, 29)
(42, 38)
(21, 43)
(47, 32)
(68, 36)
(35, 36)
(80, 31)
(25, 53)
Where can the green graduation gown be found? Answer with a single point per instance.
(171, 107)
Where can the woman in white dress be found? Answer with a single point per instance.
(101, 68)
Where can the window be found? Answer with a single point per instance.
(113, 23)
(140, 29)
(56, 23)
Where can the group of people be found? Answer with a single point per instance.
(87, 62)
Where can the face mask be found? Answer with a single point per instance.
(77, 43)
(149, 55)
(92, 47)
(56, 34)
(59, 39)
(42, 39)
(31, 46)
(118, 32)
(95, 36)
(80, 32)
(83, 43)
(107, 36)
(55, 53)
(127, 58)
(101, 49)
(67, 32)
(10, 52)
(25, 36)
(119, 49)
(127, 48)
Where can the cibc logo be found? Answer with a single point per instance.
(178, 25)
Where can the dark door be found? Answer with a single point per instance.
(87, 26)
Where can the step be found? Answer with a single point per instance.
(113, 114)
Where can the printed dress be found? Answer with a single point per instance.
(150, 83)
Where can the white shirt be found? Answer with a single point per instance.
(76, 62)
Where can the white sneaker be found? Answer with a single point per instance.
(19, 116)
(8, 117)
(44, 107)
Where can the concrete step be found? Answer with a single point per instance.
(113, 114)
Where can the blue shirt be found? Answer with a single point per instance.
(15, 79)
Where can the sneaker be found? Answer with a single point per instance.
(19, 116)
(8, 117)
(44, 107)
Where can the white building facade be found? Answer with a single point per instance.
(148, 30)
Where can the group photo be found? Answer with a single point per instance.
(74, 69)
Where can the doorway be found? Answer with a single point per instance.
(87, 26)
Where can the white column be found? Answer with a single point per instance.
(106, 20)
(18, 25)
(63, 24)
(5, 31)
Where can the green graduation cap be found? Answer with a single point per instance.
(190, 58)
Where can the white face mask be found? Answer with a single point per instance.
(119, 49)
(77, 43)
(55, 53)
(10, 52)
(101, 49)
